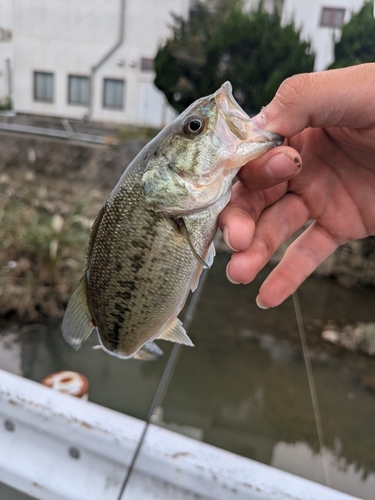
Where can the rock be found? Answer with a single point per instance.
(358, 337)
(332, 336)
(368, 381)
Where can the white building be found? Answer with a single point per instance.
(6, 51)
(320, 22)
(59, 46)
(93, 58)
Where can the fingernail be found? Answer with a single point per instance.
(277, 168)
(259, 304)
(226, 237)
(229, 278)
(295, 159)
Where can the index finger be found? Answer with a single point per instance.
(333, 98)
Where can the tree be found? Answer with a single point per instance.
(251, 49)
(357, 43)
(180, 63)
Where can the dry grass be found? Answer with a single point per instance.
(42, 250)
(128, 132)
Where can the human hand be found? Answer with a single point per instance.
(328, 119)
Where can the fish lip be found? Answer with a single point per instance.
(239, 122)
(224, 100)
(267, 137)
(236, 118)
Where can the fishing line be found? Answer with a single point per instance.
(312, 386)
(167, 375)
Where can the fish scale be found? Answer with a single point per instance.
(151, 236)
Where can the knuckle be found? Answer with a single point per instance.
(310, 258)
(264, 245)
(249, 203)
(293, 276)
(284, 225)
(293, 90)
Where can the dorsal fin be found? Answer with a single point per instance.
(94, 231)
(77, 322)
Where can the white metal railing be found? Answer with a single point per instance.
(57, 447)
(54, 132)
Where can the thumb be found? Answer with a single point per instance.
(334, 98)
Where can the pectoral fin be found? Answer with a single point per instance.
(179, 226)
(175, 332)
(77, 325)
(209, 259)
(185, 233)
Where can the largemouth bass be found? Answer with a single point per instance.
(154, 234)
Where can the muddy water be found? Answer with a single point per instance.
(243, 387)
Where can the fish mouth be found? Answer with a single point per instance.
(199, 180)
(240, 125)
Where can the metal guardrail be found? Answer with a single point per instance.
(57, 447)
(68, 133)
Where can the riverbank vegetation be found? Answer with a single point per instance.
(42, 250)
(50, 194)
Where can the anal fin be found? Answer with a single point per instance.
(76, 325)
(175, 332)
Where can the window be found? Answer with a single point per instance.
(79, 90)
(5, 35)
(333, 18)
(113, 93)
(147, 64)
(43, 86)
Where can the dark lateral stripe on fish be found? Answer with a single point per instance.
(123, 294)
(115, 337)
(128, 284)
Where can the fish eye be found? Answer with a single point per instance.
(193, 125)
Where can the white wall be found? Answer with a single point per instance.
(307, 15)
(6, 48)
(70, 37)
(60, 37)
(268, 5)
(146, 27)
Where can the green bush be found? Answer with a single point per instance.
(250, 49)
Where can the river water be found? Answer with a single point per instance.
(243, 387)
